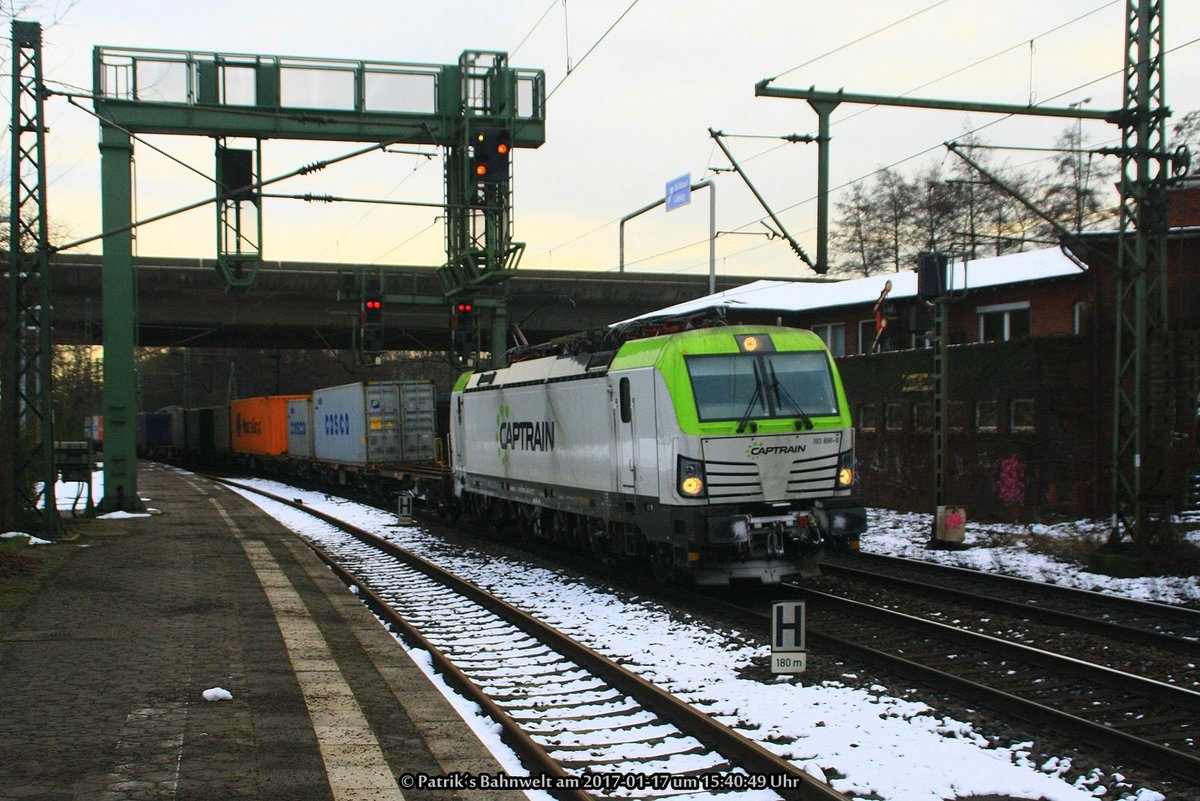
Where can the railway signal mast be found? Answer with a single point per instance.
(235, 96)
(26, 419)
(1143, 408)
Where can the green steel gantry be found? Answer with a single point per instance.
(1143, 409)
(26, 414)
(227, 96)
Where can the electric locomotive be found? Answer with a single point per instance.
(714, 454)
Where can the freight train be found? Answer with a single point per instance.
(712, 454)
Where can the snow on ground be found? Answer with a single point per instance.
(1005, 548)
(866, 743)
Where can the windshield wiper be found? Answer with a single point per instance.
(781, 393)
(744, 420)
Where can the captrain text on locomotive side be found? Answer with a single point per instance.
(709, 454)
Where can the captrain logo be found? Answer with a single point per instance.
(521, 435)
(755, 449)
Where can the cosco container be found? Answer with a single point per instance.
(299, 417)
(376, 422)
(258, 426)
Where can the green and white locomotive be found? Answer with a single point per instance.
(714, 454)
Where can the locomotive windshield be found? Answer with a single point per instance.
(741, 386)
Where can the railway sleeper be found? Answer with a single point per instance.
(632, 720)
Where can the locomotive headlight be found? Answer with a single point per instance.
(690, 478)
(845, 474)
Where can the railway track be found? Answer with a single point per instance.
(987, 657)
(591, 727)
(1133, 637)
(1155, 625)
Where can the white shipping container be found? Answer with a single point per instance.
(300, 439)
(377, 422)
(419, 420)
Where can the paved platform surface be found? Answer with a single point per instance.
(104, 667)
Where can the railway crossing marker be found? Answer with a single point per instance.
(788, 649)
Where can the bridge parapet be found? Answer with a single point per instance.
(183, 303)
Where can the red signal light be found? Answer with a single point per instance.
(490, 155)
(375, 305)
(464, 307)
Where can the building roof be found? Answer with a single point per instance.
(792, 296)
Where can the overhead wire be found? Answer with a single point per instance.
(535, 26)
(862, 38)
(997, 54)
(927, 150)
(894, 164)
(571, 68)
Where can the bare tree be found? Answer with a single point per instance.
(1074, 196)
(852, 237)
(887, 219)
(935, 212)
(1186, 131)
(895, 197)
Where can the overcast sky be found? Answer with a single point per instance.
(632, 113)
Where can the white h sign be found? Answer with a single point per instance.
(788, 653)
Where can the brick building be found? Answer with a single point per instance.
(1030, 388)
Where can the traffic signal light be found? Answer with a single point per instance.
(932, 281)
(372, 318)
(462, 326)
(490, 155)
(373, 310)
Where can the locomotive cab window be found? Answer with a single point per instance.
(740, 386)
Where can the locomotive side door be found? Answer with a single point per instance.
(623, 436)
(634, 425)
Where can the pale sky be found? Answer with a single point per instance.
(633, 113)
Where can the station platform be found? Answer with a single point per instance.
(106, 656)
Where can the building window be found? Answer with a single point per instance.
(987, 417)
(868, 417)
(1082, 317)
(893, 416)
(920, 320)
(957, 415)
(1021, 415)
(834, 337)
(866, 335)
(922, 416)
(1003, 322)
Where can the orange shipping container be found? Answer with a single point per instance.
(260, 425)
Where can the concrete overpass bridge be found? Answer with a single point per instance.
(183, 303)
